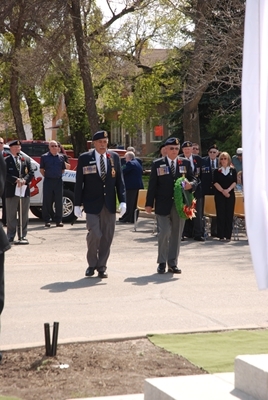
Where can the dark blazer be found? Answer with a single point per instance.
(90, 191)
(161, 187)
(26, 170)
(4, 243)
(132, 172)
(207, 176)
(197, 173)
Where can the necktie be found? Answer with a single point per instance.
(172, 168)
(102, 168)
(17, 163)
(213, 164)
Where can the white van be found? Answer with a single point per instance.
(36, 190)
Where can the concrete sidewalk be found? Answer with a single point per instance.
(45, 283)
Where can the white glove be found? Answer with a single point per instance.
(122, 209)
(77, 212)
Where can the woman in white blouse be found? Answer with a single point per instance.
(225, 179)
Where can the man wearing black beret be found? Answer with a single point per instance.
(98, 179)
(19, 175)
(164, 173)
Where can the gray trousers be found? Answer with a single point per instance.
(170, 228)
(12, 208)
(99, 238)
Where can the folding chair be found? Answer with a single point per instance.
(141, 207)
(209, 210)
(239, 214)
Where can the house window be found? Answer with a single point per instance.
(115, 133)
(156, 130)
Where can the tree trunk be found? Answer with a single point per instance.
(35, 113)
(84, 66)
(191, 123)
(15, 103)
(194, 90)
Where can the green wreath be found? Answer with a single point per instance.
(184, 200)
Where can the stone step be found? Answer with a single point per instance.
(120, 397)
(251, 375)
(195, 387)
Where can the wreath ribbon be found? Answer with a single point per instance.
(184, 200)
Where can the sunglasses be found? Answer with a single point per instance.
(174, 148)
(195, 148)
(214, 152)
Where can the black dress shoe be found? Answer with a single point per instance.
(199, 238)
(182, 238)
(102, 274)
(59, 224)
(161, 269)
(174, 269)
(90, 271)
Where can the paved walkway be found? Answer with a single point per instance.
(45, 283)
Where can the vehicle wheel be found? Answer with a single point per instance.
(68, 206)
(37, 211)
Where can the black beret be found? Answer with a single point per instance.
(14, 143)
(172, 140)
(213, 146)
(100, 135)
(186, 144)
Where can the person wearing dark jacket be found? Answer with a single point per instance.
(98, 180)
(4, 243)
(194, 227)
(18, 178)
(4, 218)
(164, 173)
(209, 164)
(132, 172)
(225, 179)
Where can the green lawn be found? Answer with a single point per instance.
(214, 352)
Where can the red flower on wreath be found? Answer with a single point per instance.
(190, 211)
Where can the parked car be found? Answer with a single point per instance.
(35, 148)
(36, 190)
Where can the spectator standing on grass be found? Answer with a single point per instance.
(52, 166)
(17, 191)
(99, 179)
(164, 173)
(4, 243)
(132, 172)
(225, 178)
